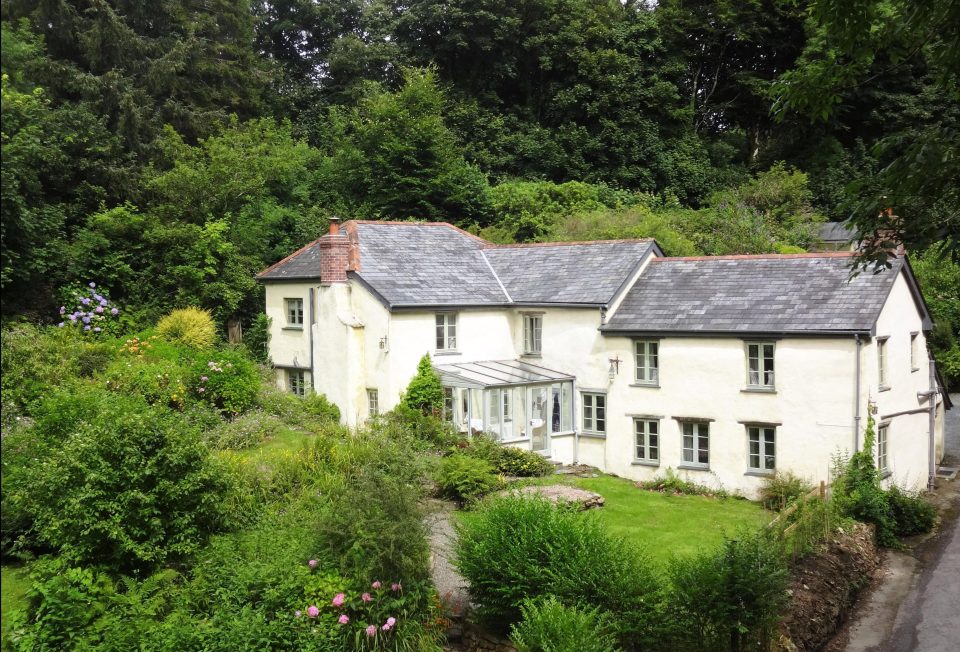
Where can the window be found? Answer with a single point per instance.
(595, 413)
(296, 382)
(294, 312)
(882, 362)
(448, 404)
(760, 364)
(883, 461)
(914, 352)
(373, 403)
(532, 334)
(762, 448)
(646, 353)
(446, 331)
(646, 440)
(696, 443)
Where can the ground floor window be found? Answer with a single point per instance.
(594, 413)
(696, 443)
(646, 440)
(448, 404)
(762, 448)
(883, 438)
(512, 412)
(296, 382)
(373, 402)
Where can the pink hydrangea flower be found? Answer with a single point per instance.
(387, 626)
(366, 597)
(371, 630)
(343, 619)
(313, 611)
(338, 599)
(312, 563)
(395, 586)
(376, 584)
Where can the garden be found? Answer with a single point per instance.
(160, 493)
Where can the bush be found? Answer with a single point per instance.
(244, 431)
(318, 406)
(549, 626)
(34, 361)
(514, 548)
(781, 489)
(730, 598)
(426, 428)
(192, 327)
(425, 392)
(257, 339)
(671, 483)
(465, 479)
(159, 383)
(911, 513)
(507, 459)
(227, 380)
(127, 485)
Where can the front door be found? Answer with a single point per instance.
(539, 423)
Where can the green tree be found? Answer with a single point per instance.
(425, 392)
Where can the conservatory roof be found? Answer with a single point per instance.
(497, 373)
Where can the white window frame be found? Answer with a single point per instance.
(373, 402)
(294, 311)
(691, 454)
(762, 434)
(646, 437)
(646, 362)
(445, 337)
(594, 412)
(762, 378)
(532, 333)
(883, 372)
(883, 448)
(914, 352)
(297, 382)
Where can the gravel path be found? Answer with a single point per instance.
(451, 586)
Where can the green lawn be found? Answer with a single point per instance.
(661, 524)
(13, 589)
(287, 439)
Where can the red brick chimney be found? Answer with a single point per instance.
(334, 255)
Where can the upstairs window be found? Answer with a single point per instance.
(532, 334)
(296, 382)
(647, 356)
(914, 352)
(882, 374)
(446, 331)
(646, 440)
(294, 312)
(762, 448)
(594, 413)
(760, 365)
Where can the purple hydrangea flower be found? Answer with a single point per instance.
(114, 311)
(85, 301)
(86, 319)
(97, 329)
(99, 310)
(86, 328)
(60, 325)
(93, 285)
(63, 310)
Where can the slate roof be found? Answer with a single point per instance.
(411, 264)
(799, 293)
(303, 264)
(837, 232)
(578, 273)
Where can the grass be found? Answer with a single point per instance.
(14, 583)
(287, 440)
(664, 525)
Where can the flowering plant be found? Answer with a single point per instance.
(228, 381)
(92, 312)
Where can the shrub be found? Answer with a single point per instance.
(33, 362)
(549, 626)
(127, 486)
(671, 483)
(514, 548)
(244, 431)
(257, 339)
(729, 598)
(93, 313)
(192, 327)
(506, 459)
(426, 428)
(318, 406)
(425, 392)
(465, 479)
(781, 489)
(227, 380)
(910, 512)
(161, 382)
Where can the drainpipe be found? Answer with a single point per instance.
(576, 431)
(856, 399)
(313, 320)
(933, 425)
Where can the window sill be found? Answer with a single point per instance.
(292, 328)
(531, 355)
(757, 473)
(650, 385)
(883, 388)
(759, 390)
(912, 369)
(885, 473)
(645, 463)
(558, 435)
(694, 467)
(446, 352)
(593, 435)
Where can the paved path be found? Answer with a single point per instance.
(451, 586)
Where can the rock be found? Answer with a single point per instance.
(562, 492)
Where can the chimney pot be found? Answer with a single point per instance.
(334, 225)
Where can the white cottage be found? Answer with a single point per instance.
(607, 353)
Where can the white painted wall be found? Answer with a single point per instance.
(289, 345)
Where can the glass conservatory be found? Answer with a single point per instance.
(513, 400)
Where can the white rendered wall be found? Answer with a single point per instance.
(289, 345)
